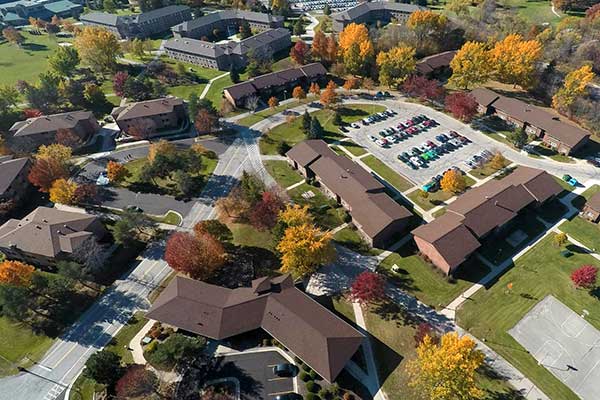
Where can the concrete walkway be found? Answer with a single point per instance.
(136, 343)
(210, 82)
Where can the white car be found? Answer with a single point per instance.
(354, 125)
(381, 143)
(102, 179)
(373, 138)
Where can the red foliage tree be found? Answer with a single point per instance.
(300, 53)
(463, 106)
(205, 121)
(265, 212)
(593, 12)
(119, 80)
(368, 287)
(196, 256)
(423, 88)
(44, 171)
(32, 113)
(211, 394)
(137, 381)
(424, 329)
(68, 138)
(584, 276)
(86, 193)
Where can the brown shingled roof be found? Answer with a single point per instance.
(310, 331)
(9, 170)
(146, 108)
(49, 123)
(594, 202)
(435, 61)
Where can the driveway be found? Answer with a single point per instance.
(254, 370)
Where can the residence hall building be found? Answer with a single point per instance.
(28, 135)
(450, 239)
(436, 65)
(224, 56)
(563, 137)
(47, 235)
(376, 215)
(152, 118)
(275, 83)
(141, 25)
(591, 210)
(14, 184)
(314, 334)
(228, 22)
(17, 13)
(371, 12)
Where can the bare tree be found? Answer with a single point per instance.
(91, 254)
(252, 103)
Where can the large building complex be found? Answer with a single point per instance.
(314, 334)
(275, 83)
(374, 213)
(228, 22)
(563, 137)
(450, 239)
(224, 56)
(47, 235)
(17, 13)
(372, 12)
(139, 25)
(13, 179)
(28, 135)
(152, 118)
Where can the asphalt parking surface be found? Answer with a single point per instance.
(445, 161)
(255, 373)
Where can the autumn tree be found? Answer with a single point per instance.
(462, 105)
(15, 273)
(98, 48)
(215, 228)
(234, 206)
(85, 193)
(426, 22)
(119, 80)
(351, 83)
(136, 382)
(264, 214)
(206, 121)
(57, 152)
(162, 147)
(44, 171)
(62, 191)
(68, 138)
(304, 248)
(319, 45)
(300, 53)
(471, 66)
(32, 113)
(314, 89)
(368, 288)
(423, 330)
(575, 85)
(64, 60)
(273, 102)
(356, 34)
(295, 215)
(298, 93)
(453, 182)
(514, 59)
(498, 161)
(446, 370)
(423, 88)
(116, 172)
(396, 65)
(560, 239)
(13, 36)
(584, 276)
(329, 96)
(331, 49)
(198, 256)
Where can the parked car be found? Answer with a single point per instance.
(354, 125)
(570, 180)
(134, 209)
(372, 138)
(288, 396)
(285, 369)
(102, 179)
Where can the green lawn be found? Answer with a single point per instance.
(425, 282)
(83, 389)
(256, 117)
(200, 72)
(22, 347)
(321, 207)
(579, 201)
(567, 188)
(386, 173)
(584, 231)
(283, 174)
(486, 170)
(215, 93)
(247, 235)
(27, 62)
(171, 218)
(291, 133)
(184, 91)
(540, 272)
(121, 340)
(351, 239)
(353, 148)
(436, 198)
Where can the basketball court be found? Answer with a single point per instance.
(564, 343)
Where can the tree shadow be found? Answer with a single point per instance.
(508, 394)
(392, 312)
(34, 46)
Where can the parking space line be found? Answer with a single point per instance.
(280, 378)
(278, 393)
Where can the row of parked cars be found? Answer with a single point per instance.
(479, 159)
(403, 130)
(420, 156)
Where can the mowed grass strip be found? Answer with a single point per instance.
(386, 173)
(282, 172)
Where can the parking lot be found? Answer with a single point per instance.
(255, 374)
(422, 172)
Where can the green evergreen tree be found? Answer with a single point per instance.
(306, 122)
(193, 106)
(327, 10)
(234, 74)
(316, 130)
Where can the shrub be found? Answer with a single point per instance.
(584, 276)
(312, 387)
(324, 393)
(311, 396)
(313, 374)
(348, 396)
(304, 376)
(137, 381)
(306, 368)
(282, 147)
(151, 347)
(174, 349)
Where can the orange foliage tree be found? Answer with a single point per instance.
(298, 93)
(15, 273)
(44, 171)
(116, 172)
(273, 102)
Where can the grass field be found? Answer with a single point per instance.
(540, 272)
(22, 347)
(120, 342)
(385, 172)
(353, 148)
(256, 117)
(246, 235)
(27, 62)
(325, 214)
(436, 198)
(283, 174)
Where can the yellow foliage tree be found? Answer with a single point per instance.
(498, 161)
(15, 273)
(98, 48)
(514, 59)
(425, 22)
(161, 147)
(396, 65)
(359, 34)
(295, 215)
(574, 86)
(273, 102)
(116, 172)
(453, 182)
(304, 248)
(471, 65)
(446, 371)
(62, 191)
(55, 151)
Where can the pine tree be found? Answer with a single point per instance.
(306, 122)
(316, 130)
